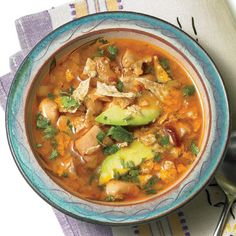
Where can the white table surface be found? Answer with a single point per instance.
(22, 211)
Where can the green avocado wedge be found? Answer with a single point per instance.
(115, 115)
(136, 152)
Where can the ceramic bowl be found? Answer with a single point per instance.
(123, 25)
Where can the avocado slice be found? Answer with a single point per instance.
(115, 115)
(135, 152)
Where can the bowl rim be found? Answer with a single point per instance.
(115, 223)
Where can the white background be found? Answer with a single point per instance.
(22, 211)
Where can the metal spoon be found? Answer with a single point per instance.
(226, 178)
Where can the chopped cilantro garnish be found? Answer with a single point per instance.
(53, 155)
(103, 41)
(54, 143)
(71, 90)
(157, 157)
(132, 174)
(120, 86)
(108, 150)
(188, 90)
(70, 126)
(113, 51)
(91, 179)
(130, 164)
(164, 141)
(51, 96)
(110, 198)
(99, 52)
(116, 174)
(65, 174)
(150, 183)
(69, 103)
(122, 162)
(194, 148)
(151, 191)
(42, 122)
(49, 132)
(38, 145)
(165, 64)
(100, 136)
(120, 134)
(68, 92)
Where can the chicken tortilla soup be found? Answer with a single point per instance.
(117, 120)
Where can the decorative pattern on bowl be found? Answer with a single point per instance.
(128, 25)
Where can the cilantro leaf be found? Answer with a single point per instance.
(194, 148)
(188, 90)
(150, 191)
(157, 157)
(120, 86)
(91, 179)
(70, 126)
(164, 141)
(133, 172)
(108, 150)
(165, 65)
(51, 96)
(100, 136)
(71, 90)
(49, 132)
(103, 41)
(53, 155)
(110, 198)
(67, 92)
(150, 183)
(38, 145)
(69, 103)
(99, 52)
(42, 122)
(116, 174)
(65, 174)
(113, 51)
(120, 134)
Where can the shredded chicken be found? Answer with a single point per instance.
(119, 189)
(148, 139)
(49, 109)
(105, 73)
(80, 93)
(168, 172)
(128, 58)
(90, 68)
(87, 142)
(159, 90)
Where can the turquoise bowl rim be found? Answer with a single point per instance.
(217, 83)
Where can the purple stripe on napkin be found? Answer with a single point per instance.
(16, 60)
(33, 28)
(5, 83)
(72, 227)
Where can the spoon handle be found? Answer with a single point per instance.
(221, 223)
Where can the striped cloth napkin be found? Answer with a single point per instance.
(208, 22)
